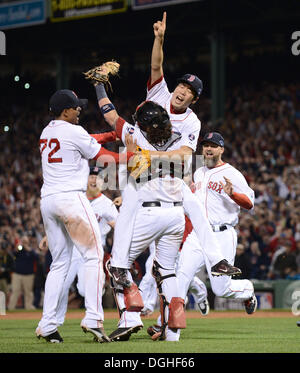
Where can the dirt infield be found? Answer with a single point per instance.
(32, 315)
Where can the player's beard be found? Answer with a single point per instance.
(211, 162)
(159, 136)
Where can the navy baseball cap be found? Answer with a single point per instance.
(193, 81)
(214, 137)
(65, 99)
(95, 170)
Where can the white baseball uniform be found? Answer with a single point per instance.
(105, 212)
(187, 126)
(164, 225)
(222, 213)
(69, 219)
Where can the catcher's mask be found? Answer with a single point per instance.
(154, 120)
(150, 114)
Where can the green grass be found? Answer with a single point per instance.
(203, 335)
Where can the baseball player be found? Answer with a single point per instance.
(68, 217)
(159, 218)
(222, 190)
(106, 214)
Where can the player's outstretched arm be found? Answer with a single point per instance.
(157, 56)
(105, 137)
(107, 108)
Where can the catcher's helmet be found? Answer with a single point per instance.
(150, 114)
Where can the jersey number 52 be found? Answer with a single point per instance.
(52, 144)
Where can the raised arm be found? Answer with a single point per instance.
(157, 55)
(107, 109)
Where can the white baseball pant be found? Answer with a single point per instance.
(192, 260)
(164, 225)
(76, 269)
(148, 286)
(70, 220)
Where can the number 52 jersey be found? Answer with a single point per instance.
(65, 150)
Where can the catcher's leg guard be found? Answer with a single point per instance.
(133, 299)
(176, 314)
(172, 313)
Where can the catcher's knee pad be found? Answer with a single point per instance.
(176, 318)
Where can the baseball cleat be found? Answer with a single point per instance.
(250, 305)
(298, 323)
(153, 329)
(158, 336)
(224, 268)
(52, 338)
(119, 275)
(98, 333)
(123, 334)
(203, 307)
(146, 312)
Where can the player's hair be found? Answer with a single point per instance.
(159, 135)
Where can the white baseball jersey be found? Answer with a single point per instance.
(219, 207)
(187, 123)
(166, 189)
(65, 150)
(105, 212)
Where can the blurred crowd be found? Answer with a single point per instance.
(261, 130)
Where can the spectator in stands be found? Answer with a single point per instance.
(297, 253)
(242, 262)
(23, 274)
(283, 261)
(6, 267)
(259, 262)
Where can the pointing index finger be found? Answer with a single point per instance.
(164, 20)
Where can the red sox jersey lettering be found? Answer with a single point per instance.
(215, 186)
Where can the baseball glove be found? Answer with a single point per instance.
(100, 74)
(139, 163)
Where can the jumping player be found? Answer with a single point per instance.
(222, 190)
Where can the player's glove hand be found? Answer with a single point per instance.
(100, 74)
(140, 163)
